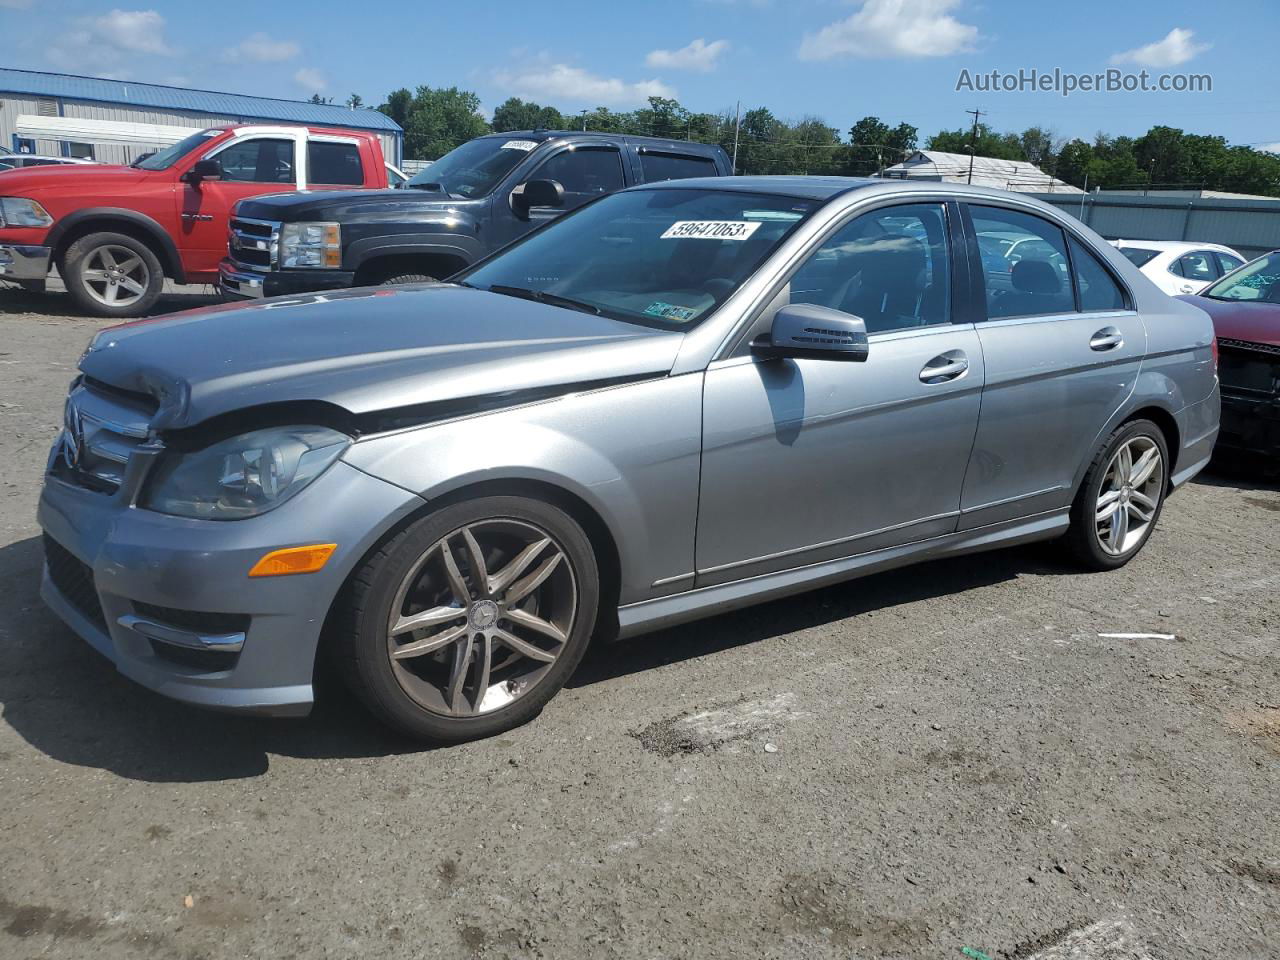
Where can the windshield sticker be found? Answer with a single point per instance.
(669, 311)
(710, 230)
(525, 145)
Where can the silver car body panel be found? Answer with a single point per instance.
(720, 479)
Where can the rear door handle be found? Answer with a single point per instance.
(1108, 338)
(944, 367)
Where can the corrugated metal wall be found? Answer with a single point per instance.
(15, 105)
(1250, 226)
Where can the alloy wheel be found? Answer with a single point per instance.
(115, 276)
(481, 616)
(1129, 496)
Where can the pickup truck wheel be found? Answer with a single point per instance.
(408, 278)
(471, 619)
(112, 275)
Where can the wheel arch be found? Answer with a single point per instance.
(378, 263)
(1157, 413)
(601, 537)
(118, 220)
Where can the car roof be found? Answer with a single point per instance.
(1169, 246)
(681, 146)
(825, 188)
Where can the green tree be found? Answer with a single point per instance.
(874, 145)
(1001, 146)
(517, 114)
(441, 119)
(316, 98)
(355, 101)
(397, 105)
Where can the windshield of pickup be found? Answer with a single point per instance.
(166, 158)
(1258, 281)
(473, 169)
(661, 258)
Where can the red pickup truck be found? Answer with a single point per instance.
(116, 232)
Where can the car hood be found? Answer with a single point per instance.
(63, 176)
(370, 351)
(1242, 319)
(334, 204)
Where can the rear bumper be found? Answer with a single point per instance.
(237, 283)
(1198, 427)
(20, 262)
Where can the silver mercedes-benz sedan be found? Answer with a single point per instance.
(679, 399)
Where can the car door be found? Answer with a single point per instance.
(806, 460)
(1194, 271)
(251, 166)
(1062, 351)
(586, 171)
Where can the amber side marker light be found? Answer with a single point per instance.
(291, 560)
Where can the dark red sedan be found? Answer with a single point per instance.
(1245, 307)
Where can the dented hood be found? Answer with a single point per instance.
(367, 351)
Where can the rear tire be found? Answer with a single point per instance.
(112, 275)
(478, 664)
(1121, 498)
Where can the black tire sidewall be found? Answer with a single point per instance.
(407, 278)
(73, 263)
(376, 683)
(1082, 536)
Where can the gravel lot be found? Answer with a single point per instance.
(902, 766)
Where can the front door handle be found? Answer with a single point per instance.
(1108, 338)
(945, 367)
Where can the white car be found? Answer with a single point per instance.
(1178, 267)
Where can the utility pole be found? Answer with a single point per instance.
(973, 140)
(1151, 172)
(584, 120)
(737, 125)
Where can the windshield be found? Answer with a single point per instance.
(473, 169)
(166, 158)
(1138, 255)
(1258, 280)
(661, 258)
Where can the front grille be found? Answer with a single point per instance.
(74, 580)
(194, 620)
(102, 427)
(1252, 368)
(254, 244)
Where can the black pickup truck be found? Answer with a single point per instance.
(464, 206)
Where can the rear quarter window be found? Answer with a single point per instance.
(674, 166)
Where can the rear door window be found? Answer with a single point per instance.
(1024, 263)
(1228, 263)
(674, 166)
(335, 164)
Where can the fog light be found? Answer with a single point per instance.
(291, 560)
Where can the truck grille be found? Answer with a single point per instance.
(1245, 367)
(101, 428)
(74, 580)
(254, 244)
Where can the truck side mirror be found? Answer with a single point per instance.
(806, 330)
(208, 169)
(536, 193)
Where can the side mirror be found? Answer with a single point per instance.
(536, 193)
(203, 170)
(805, 330)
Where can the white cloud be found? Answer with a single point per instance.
(893, 28)
(310, 78)
(561, 82)
(260, 48)
(1177, 47)
(698, 55)
(1269, 147)
(107, 46)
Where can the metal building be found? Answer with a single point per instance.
(115, 121)
(1016, 175)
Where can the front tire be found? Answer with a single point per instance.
(468, 621)
(112, 275)
(407, 278)
(1121, 498)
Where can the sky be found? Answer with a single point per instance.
(836, 59)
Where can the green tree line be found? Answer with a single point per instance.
(435, 120)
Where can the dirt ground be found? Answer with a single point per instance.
(949, 756)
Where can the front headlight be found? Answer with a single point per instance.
(21, 212)
(243, 476)
(311, 245)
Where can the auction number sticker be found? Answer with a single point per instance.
(710, 230)
(525, 145)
